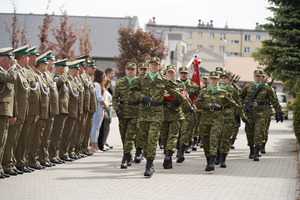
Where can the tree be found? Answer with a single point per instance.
(138, 46)
(65, 37)
(85, 44)
(45, 44)
(24, 38)
(14, 29)
(281, 54)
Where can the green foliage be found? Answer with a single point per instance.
(281, 55)
(296, 122)
(138, 46)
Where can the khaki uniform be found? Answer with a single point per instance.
(72, 117)
(21, 86)
(27, 133)
(7, 78)
(44, 116)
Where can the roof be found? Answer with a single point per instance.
(243, 66)
(104, 31)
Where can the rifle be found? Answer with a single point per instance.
(250, 103)
(231, 79)
(270, 84)
(236, 79)
(243, 85)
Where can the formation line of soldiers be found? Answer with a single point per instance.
(45, 116)
(153, 105)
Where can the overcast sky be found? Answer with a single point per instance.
(237, 13)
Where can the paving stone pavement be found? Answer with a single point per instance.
(100, 177)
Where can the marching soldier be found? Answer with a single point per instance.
(21, 86)
(204, 82)
(257, 119)
(28, 129)
(213, 100)
(8, 76)
(44, 114)
(149, 89)
(188, 124)
(173, 116)
(127, 112)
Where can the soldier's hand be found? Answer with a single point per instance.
(216, 106)
(119, 114)
(279, 116)
(12, 121)
(147, 99)
(191, 109)
(245, 120)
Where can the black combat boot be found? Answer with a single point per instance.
(161, 146)
(188, 149)
(207, 162)
(251, 152)
(232, 143)
(149, 168)
(168, 160)
(256, 152)
(211, 163)
(201, 144)
(129, 160)
(138, 155)
(263, 146)
(194, 148)
(218, 159)
(223, 159)
(124, 161)
(181, 154)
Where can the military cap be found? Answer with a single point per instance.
(171, 67)
(61, 63)
(229, 72)
(6, 51)
(264, 74)
(155, 59)
(50, 56)
(183, 69)
(32, 51)
(75, 64)
(92, 64)
(205, 75)
(85, 57)
(143, 65)
(130, 65)
(21, 50)
(219, 69)
(214, 74)
(225, 74)
(258, 72)
(82, 62)
(42, 59)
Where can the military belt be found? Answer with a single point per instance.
(126, 103)
(152, 104)
(172, 105)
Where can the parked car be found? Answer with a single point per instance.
(282, 98)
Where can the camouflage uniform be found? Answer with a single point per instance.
(257, 119)
(236, 123)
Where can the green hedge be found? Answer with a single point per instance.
(296, 122)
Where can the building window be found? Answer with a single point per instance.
(200, 35)
(247, 50)
(212, 35)
(235, 42)
(199, 46)
(189, 34)
(257, 37)
(257, 49)
(189, 47)
(247, 37)
(234, 54)
(222, 36)
(211, 47)
(222, 48)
